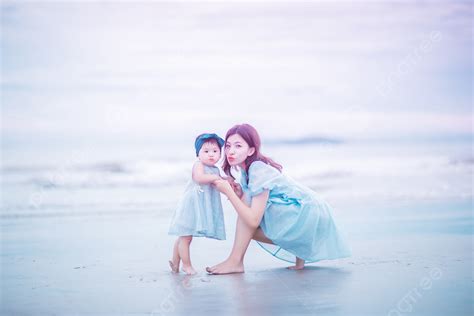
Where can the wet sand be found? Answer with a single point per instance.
(118, 265)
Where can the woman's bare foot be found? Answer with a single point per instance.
(189, 270)
(298, 266)
(227, 267)
(174, 266)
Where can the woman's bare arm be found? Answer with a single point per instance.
(251, 215)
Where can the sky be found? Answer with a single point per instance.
(122, 71)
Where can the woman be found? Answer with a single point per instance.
(273, 209)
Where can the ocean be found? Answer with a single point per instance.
(427, 184)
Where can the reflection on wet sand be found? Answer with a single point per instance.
(268, 292)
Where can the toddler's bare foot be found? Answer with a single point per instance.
(174, 266)
(227, 267)
(189, 270)
(298, 266)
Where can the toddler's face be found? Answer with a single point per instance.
(209, 154)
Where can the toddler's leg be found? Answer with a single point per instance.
(183, 250)
(174, 262)
(299, 264)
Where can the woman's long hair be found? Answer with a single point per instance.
(251, 137)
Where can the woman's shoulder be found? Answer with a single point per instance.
(257, 164)
(261, 166)
(263, 176)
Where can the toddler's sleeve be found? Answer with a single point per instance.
(262, 177)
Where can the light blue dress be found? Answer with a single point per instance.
(295, 219)
(199, 212)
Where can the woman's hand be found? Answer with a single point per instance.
(223, 186)
(235, 186)
(237, 189)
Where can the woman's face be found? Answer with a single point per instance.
(237, 150)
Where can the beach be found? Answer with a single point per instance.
(117, 265)
(88, 235)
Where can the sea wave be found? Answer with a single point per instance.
(145, 173)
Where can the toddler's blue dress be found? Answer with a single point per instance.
(295, 219)
(199, 212)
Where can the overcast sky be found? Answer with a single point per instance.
(154, 69)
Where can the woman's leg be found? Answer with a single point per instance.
(235, 262)
(174, 262)
(259, 235)
(183, 250)
(299, 264)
